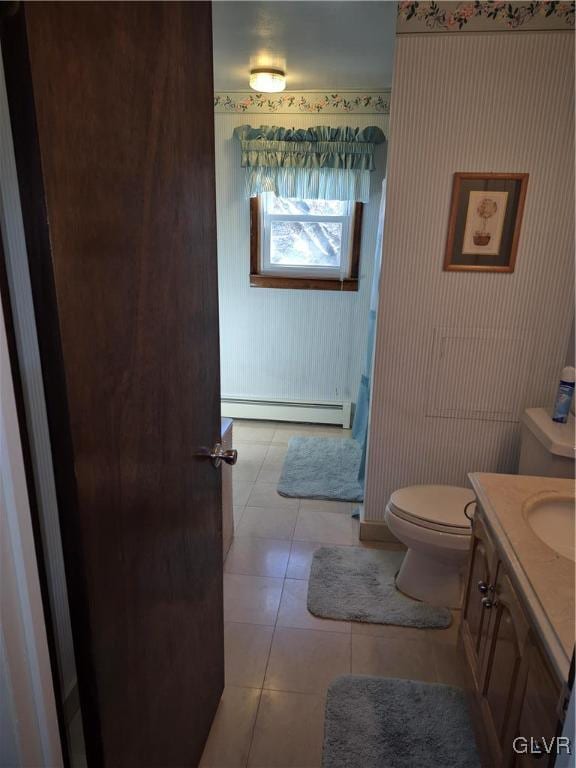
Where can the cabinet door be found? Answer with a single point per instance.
(481, 576)
(538, 715)
(504, 667)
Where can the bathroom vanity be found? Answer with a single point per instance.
(517, 625)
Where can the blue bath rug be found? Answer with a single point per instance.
(322, 468)
(358, 584)
(378, 722)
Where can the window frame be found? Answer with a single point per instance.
(261, 279)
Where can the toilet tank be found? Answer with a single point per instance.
(546, 447)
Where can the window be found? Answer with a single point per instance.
(304, 243)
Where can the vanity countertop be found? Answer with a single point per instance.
(545, 578)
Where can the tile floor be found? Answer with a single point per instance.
(279, 658)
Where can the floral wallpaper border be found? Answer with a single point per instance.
(304, 102)
(484, 16)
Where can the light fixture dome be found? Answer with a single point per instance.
(267, 79)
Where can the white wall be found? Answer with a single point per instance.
(471, 102)
(307, 345)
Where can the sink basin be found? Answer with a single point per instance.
(551, 516)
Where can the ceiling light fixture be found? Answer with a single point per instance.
(267, 79)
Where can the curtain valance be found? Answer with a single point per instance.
(311, 163)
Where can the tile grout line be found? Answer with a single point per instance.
(317, 694)
(249, 750)
(275, 626)
(253, 729)
(267, 657)
(266, 670)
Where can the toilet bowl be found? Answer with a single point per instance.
(430, 521)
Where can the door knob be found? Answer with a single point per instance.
(218, 454)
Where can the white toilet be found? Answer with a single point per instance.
(430, 521)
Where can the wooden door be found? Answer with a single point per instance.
(481, 581)
(112, 114)
(504, 668)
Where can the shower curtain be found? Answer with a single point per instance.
(361, 413)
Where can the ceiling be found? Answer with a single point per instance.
(326, 45)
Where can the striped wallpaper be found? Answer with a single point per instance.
(290, 344)
(500, 102)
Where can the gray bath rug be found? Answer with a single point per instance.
(322, 468)
(355, 584)
(378, 722)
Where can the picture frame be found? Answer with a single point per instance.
(485, 220)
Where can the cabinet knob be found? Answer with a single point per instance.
(483, 588)
(487, 602)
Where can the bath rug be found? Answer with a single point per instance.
(322, 468)
(379, 722)
(356, 584)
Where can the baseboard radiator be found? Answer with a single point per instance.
(288, 410)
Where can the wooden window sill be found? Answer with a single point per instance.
(303, 283)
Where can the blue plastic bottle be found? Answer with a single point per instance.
(565, 395)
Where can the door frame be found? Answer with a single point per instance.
(21, 107)
(16, 311)
(29, 692)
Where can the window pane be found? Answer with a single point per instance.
(296, 207)
(305, 243)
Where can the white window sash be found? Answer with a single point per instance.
(340, 272)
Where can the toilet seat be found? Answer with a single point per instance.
(434, 507)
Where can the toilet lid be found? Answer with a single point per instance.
(440, 507)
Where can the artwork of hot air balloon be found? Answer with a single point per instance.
(486, 209)
(485, 218)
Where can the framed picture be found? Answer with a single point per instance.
(485, 219)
